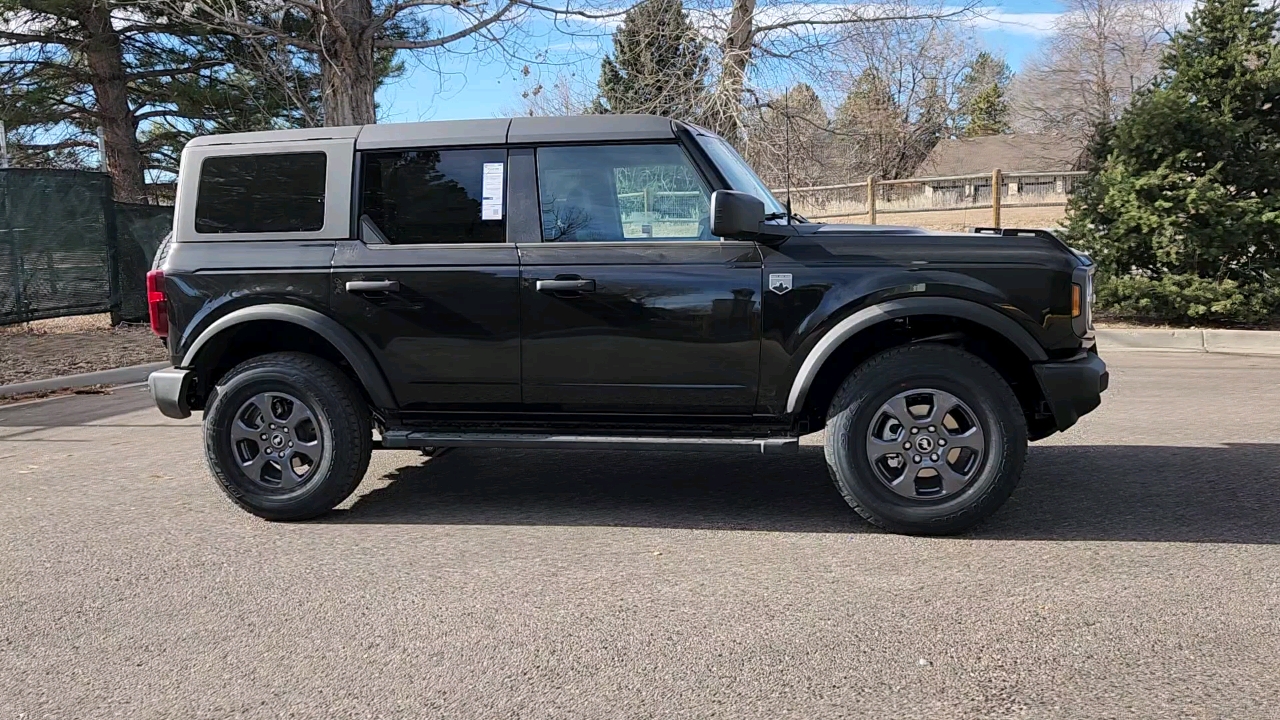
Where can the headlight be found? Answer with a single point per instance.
(1082, 300)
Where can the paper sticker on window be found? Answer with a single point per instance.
(491, 205)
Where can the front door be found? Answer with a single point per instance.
(432, 286)
(629, 305)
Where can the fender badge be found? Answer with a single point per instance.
(780, 282)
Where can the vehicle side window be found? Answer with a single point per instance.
(436, 196)
(283, 192)
(621, 192)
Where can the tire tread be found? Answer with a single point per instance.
(993, 497)
(351, 455)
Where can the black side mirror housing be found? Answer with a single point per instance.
(735, 214)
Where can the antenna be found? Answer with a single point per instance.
(786, 149)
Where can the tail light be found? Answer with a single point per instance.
(156, 306)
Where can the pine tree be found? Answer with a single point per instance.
(659, 64)
(984, 110)
(149, 85)
(1183, 211)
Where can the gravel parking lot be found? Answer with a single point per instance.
(1134, 574)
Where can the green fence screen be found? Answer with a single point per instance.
(67, 249)
(139, 230)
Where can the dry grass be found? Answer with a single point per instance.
(960, 220)
(68, 346)
(55, 326)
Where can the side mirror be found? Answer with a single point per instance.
(735, 214)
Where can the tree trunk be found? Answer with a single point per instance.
(111, 94)
(347, 65)
(736, 53)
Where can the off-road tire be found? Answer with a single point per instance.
(341, 413)
(911, 367)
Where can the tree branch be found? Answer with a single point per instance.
(37, 39)
(396, 8)
(574, 13)
(856, 19)
(172, 72)
(248, 29)
(399, 44)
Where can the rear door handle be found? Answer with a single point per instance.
(566, 286)
(367, 286)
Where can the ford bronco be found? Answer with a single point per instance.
(596, 282)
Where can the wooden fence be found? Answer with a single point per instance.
(1020, 189)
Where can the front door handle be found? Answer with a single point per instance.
(368, 286)
(554, 286)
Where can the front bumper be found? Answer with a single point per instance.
(169, 388)
(1073, 387)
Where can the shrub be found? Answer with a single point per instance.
(1182, 207)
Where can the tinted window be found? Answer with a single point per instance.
(621, 192)
(261, 193)
(436, 196)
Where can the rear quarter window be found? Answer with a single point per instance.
(269, 193)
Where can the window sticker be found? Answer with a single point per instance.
(491, 205)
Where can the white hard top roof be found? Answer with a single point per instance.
(521, 130)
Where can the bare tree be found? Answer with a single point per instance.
(789, 139)
(557, 94)
(798, 41)
(349, 36)
(895, 85)
(901, 83)
(1101, 53)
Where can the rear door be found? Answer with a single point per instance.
(629, 304)
(432, 286)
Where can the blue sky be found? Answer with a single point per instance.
(456, 86)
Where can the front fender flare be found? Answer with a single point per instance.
(347, 344)
(866, 317)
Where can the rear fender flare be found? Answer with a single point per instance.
(359, 357)
(867, 317)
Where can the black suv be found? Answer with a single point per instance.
(596, 282)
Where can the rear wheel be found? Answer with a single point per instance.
(925, 439)
(287, 436)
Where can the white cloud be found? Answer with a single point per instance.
(1038, 24)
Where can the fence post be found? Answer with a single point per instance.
(871, 199)
(995, 197)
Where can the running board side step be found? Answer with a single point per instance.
(401, 439)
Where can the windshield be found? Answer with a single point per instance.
(739, 174)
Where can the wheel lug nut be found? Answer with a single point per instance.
(934, 457)
(942, 443)
(290, 444)
(264, 437)
(906, 446)
(286, 429)
(915, 430)
(916, 458)
(932, 429)
(273, 427)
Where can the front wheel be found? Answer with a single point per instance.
(925, 439)
(287, 436)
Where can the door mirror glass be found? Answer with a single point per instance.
(735, 214)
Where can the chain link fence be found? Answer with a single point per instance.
(67, 249)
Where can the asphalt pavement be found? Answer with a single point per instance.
(1134, 574)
